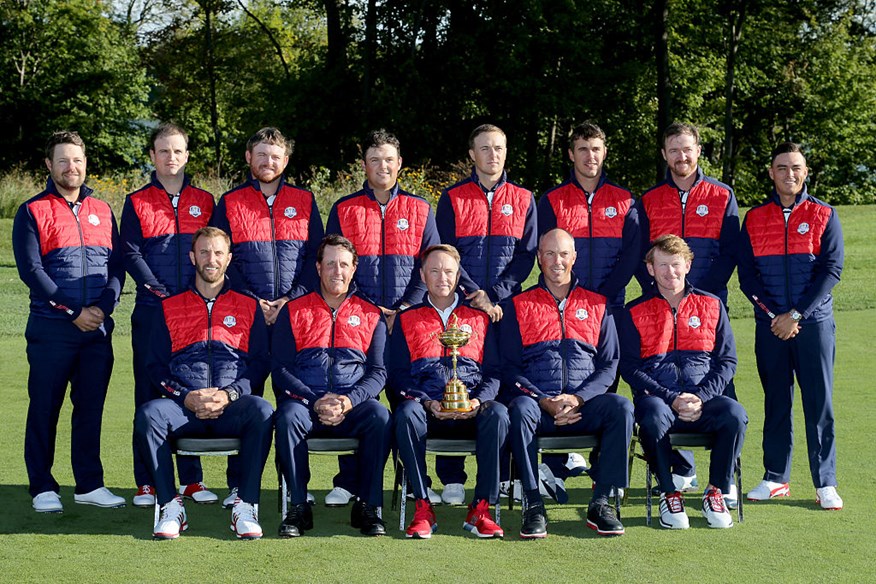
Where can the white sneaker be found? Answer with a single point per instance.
(731, 499)
(245, 521)
(505, 488)
(714, 510)
(672, 514)
(171, 521)
(685, 484)
(576, 464)
(198, 493)
(768, 490)
(101, 497)
(228, 502)
(453, 494)
(434, 497)
(48, 502)
(311, 500)
(619, 492)
(827, 497)
(145, 496)
(338, 497)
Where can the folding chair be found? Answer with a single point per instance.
(321, 446)
(562, 445)
(438, 447)
(202, 447)
(684, 441)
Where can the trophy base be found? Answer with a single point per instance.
(455, 397)
(459, 407)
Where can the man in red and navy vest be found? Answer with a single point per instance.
(275, 227)
(66, 247)
(158, 221)
(559, 356)
(678, 355)
(389, 228)
(207, 347)
(328, 371)
(420, 369)
(790, 258)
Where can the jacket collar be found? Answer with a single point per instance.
(153, 180)
(84, 190)
(476, 180)
(602, 179)
(700, 176)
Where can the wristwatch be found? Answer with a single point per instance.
(796, 316)
(232, 394)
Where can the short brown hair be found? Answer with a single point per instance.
(679, 129)
(786, 148)
(166, 129)
(585, 131)
(63, 137)
(378, 138)
(210, 231)
(483, 129)
(272, 136)
(671, 245)
(445, 247)
(336, 240)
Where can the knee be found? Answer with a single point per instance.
(409, 412)
(292, 419)
(524, 410)
(376, 412)
(147, 416)
(494, 415)
(654, 416)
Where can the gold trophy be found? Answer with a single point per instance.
(455, 394)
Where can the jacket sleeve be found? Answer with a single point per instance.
(607, 355)
(642, 274)
(333, 223)
(722, 362)
(416, 288)
(722, 268)
(446, 219)
(109, 298)
(132, 240)
(749, 277)
(518, 269)
(629, 259)
(235, 276)
(158, 364)
(258, 362)
(369, 386)
(631, 362)
(827, 269)
(491, 371)
(547, 219)
(283, 350)
(403, 383)
(511, 349)
(29, 261)
(309, 280)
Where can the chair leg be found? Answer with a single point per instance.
(400, 471)
(739, 496)
(647, 493)
(510, 484)
(631, 460)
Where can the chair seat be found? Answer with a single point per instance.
(686, 440)
(550, 444)
(333, 445)
(207, 446)
(450, 447)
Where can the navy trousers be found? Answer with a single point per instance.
(809, 357)
(369, 421)
(608, 416)
(722, 417)
(159, 421)
(489, 428)
(58, 353)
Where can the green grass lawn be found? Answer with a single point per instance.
(782, 541)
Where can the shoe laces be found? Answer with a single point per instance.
(715, 500)
(370, 514)
(423, 511)
(675, 502)
(145, 490)
(244, 512)
(171, 510)
(295, 513)
(534, 509)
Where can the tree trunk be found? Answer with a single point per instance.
(211, 76)
(735, 18)
(664, 106)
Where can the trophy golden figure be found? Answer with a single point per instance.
(455, 394)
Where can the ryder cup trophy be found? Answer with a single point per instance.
(455, 394)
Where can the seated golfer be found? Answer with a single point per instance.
(420, 369)
(327, 373)
(559, 357)
(678, 354)
(206, 348)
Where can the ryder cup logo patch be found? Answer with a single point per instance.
(354, 320)
(507, 210)
(581, 314)
(402, 224)
(229, 321)
(195, 211)
(702, 210)
(610, 212)
(803, 228)
(94, 220)
(290, 212)
(466, 328)
(694, 322)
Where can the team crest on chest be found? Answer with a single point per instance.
(610, 212)
(694, 322)
(195, 211)
(702, 210)
(94, 219)
(354, 320)
(229, 321)
(507, 209)
(582, 314)
(402, 224)
(803, 228)
(290, 212)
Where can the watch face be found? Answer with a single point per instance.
(796, 315)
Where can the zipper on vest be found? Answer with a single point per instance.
(209, 306)
(787, 265)
(682, 198)
(178, 258)
(487, 282)
(590, 282)
(274, 245)
(82, 261)
(331, 363)
(562, 314)
(382, 208)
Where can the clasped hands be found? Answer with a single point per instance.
(207, 403)
(332, 408)
(433, 406)
(564, 408)
(688, 407)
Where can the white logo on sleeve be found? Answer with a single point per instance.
(94, 219)
(803, 228)
(195, 211)
(229, 321)
(702, 210)
(507, 209)
(402, 224)
(354, 320)
(694, 322)
(582, 314)
(610, 212)
(290, 212)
